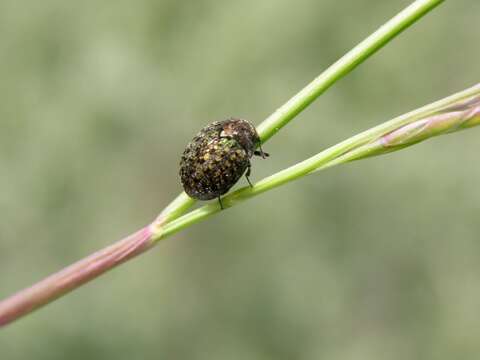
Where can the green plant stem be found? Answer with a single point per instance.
(283, 115)
(444, 122)
(439, 124)
(456, 119)
(344, 65)
(171, 220)
(176, 208)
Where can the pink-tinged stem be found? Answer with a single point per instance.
(460, 116)
(68, 279)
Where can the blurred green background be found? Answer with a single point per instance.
(379, 259)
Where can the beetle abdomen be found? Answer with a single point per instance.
(217, 157)
(214, 169)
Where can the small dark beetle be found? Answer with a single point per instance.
(217, 157)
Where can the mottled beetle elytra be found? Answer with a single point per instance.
(217, 157)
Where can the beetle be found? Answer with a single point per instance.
(217, 157)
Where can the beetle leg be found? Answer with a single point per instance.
(220, 202)
(247, 174)
(261, 153)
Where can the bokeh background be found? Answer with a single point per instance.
(378, 259)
